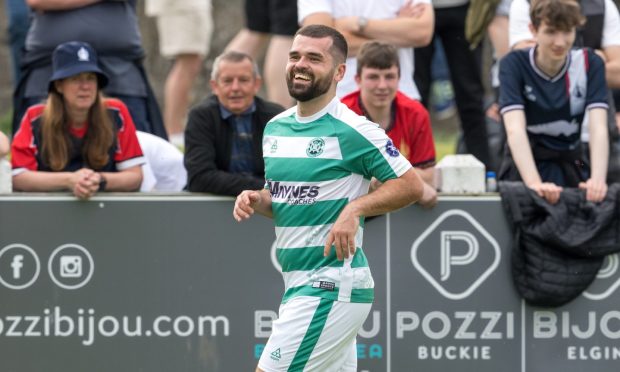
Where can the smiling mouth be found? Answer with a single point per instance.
(300, 76)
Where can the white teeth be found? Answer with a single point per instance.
(302, 76)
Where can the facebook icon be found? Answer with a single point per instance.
(19, 266)
(16, 265)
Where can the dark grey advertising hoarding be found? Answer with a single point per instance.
(172, 283)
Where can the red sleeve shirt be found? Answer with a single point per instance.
(23, 148)
(128, 151)
(410, 131)
(127, 154)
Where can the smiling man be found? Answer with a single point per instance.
(404, 120)
(319, 159)
(223, 153)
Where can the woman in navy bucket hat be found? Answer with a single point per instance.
(77, 140)
(74, 57)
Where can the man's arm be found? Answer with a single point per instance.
(521, 151)
(4, 145)
(405, 31)
(427, 175)
(611, 57)
(596, 186)
(610, 44)
(250, 201)
(519, 35)
(203, 174)
(318, 18)
(391, 195)
(45, 5)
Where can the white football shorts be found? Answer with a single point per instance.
(314, 334)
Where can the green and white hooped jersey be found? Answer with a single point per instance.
(314, 166)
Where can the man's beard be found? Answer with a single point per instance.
(306, 93)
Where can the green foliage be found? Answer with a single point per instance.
(5, 123)
(445, 144)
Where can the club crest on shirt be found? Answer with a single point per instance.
(578, 93)
(391, 149)
(315, 147)
(529, 93)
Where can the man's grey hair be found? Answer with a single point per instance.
(233, 56)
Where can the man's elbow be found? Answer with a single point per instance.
(416, 192)
(423, 38)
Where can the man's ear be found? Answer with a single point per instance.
(258, 81)
(358, 79)
(340, 70)
(213, 85)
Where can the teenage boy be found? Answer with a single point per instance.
(545, 92)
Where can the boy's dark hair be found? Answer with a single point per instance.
(376, 54)
(562, 15)
(339, 48)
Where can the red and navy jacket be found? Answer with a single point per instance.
(125, 152)
(410, 128)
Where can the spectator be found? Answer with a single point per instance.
(498, 35)
(271, 24)
(405, 121)
(223, 153)
(465, 73)
(543, 118)
(404, 23)
(601, 32)
(111, 27)
(19, 21)
(163, 170)
(185, 28)
(77, 140)
(4, 145)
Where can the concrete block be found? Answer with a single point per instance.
(461, 174)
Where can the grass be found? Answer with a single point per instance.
(445, 144)
(5, 123)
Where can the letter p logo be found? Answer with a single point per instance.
(455, 254)
(448, 258)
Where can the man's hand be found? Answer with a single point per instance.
(245, 204)
(429, 197)
(342, 234)
(595, 190)
(409, 9)
(548, 191)
(347, 24)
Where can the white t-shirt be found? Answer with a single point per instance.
(373, 9)
(164, 170)
(155, 8)
(519, 21)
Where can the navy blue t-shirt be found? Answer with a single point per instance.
(554, 106)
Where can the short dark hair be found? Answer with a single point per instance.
(339, 48)
(233, 56)
(377, 54)
(560, 14)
